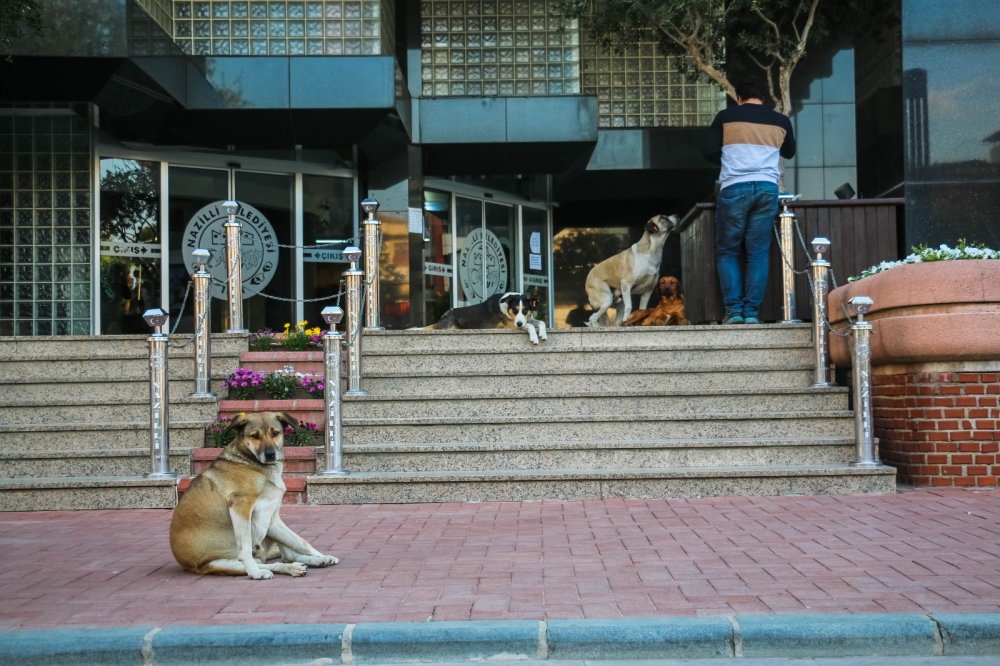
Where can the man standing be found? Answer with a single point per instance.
(749, 141)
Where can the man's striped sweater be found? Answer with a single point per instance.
(748, 141)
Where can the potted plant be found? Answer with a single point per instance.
(936, 305)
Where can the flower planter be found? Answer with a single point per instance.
(935, 382)
(927, 312)
(261, 394)
(299, 460)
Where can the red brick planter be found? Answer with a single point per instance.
(300, 462)
(936, 364)
(310, 410)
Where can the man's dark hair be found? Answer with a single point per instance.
(752, 87)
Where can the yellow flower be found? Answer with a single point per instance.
(303, 323)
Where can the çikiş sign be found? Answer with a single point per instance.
(258, 247)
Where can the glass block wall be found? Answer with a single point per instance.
(327, 27)
(497, 47)
(642, 88)
(520, 47)
(45, 241)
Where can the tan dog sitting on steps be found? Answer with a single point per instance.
(227, 522)
(630, 272)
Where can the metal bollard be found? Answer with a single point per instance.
(353, 278)
(202, 326)
(234, 268)
(820, 267)
(785, 221)
(864, 439)
(159, 398)
(372, 228)
(333, 441)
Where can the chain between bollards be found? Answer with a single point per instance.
(234, 264)
(372, 251)
(333, 440)
(820, 267)
(354, 279)
(864, 437)
(785, 221)
(159, 398)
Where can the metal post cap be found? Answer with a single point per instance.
(861, 304)
(820, 245)
(370, 206)
(332, 315)
(352, 253)
(231, 207)
(201, 256)
(155, 317)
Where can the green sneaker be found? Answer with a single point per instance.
(733, 318)
(751, 320)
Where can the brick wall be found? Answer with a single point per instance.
(939, 428)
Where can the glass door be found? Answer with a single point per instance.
(190, 191)
(500, 249)
(536, 256)
(130, 244)
(268, 270)
(468, 240)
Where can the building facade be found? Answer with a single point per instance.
(508, 151)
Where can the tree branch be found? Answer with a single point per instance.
(777, 33)
(770, 84)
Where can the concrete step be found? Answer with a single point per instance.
(86, 463)
(589, 339)
(500, 364)
(295, 488)
(521, 427)
(109, 391)
(98, 370)
(111, 347)
(512, 385)
(540, 401)
(89, 436)
(111, 492)
(644, 483)
(135, 411)
(590, 455)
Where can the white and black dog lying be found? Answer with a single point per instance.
(510, 310)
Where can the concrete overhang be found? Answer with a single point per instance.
(494, 135)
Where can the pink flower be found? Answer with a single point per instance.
(244, 384)
(234, 384)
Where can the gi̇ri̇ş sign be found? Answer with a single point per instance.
(482, 254)
(258, 247)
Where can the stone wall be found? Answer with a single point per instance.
(939, 424)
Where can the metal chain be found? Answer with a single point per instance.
(808, 274)
(317, 246)
(301, 300)
(198, 329)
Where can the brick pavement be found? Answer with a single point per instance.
(918, 551)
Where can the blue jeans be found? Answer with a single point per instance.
(744, 217)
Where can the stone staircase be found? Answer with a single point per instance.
(593, 413)
(74, 420)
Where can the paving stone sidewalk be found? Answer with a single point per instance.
(922, 551)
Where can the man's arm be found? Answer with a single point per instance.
(712, 150)
(788, 145)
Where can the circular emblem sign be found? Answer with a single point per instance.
(482, 253)
(258, 247)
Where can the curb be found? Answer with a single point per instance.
(788, 636)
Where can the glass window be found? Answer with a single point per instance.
(575, 252)
(130, 244)
(469, 222)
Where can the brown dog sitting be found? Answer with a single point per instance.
(669, 311)
(227, 522)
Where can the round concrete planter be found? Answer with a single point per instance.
(935, 311)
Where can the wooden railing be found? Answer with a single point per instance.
(862, 233)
